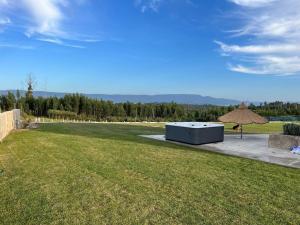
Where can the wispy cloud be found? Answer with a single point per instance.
(17, 46)
(46, 17)
(271, 36)
(59, 42)
(145, 5)
(252, 3)
(3, 2)
(4, 21)
(155, 5)
(260, 49)
(44, 20)
(270, 65)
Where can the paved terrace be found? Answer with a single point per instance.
(252, 146)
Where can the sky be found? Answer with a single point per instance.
(247, 50)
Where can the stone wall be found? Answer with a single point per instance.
(283, 141)
(9, 121)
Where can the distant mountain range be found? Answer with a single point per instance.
(163, 98)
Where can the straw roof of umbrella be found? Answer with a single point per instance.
(242, 115)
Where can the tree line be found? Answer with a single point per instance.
(80, 107)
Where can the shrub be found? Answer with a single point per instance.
(291, 129)
(59, 114)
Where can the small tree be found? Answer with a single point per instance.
(11, 101)
(30, 82)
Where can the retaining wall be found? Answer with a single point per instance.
(283, 141)
(9, 121)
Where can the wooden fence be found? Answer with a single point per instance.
(9, 121)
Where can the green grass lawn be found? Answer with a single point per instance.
(272, 127)
(106, 174)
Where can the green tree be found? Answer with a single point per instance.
(30, 83)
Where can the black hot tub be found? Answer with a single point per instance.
(195, 133)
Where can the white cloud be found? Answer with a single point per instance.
(59, 42)
(46, 17)
(155, 5)
(260, 49)
(44, 20)
(145, 5)
(252, 3)
(18, 46)
(53, 41)
(270, 65)
(4, 21)
(270, 37)
(3, 2)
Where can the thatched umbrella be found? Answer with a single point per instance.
(242, 116)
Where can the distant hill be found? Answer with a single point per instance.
(164, 98)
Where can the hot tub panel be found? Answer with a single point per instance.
(195, 133)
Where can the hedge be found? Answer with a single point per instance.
(291, 129)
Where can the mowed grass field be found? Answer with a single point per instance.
(272, 127)
(107, 174)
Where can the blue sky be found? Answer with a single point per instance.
(240, 49)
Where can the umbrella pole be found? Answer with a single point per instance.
(241, 131)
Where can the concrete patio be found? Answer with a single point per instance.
(252, 147)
